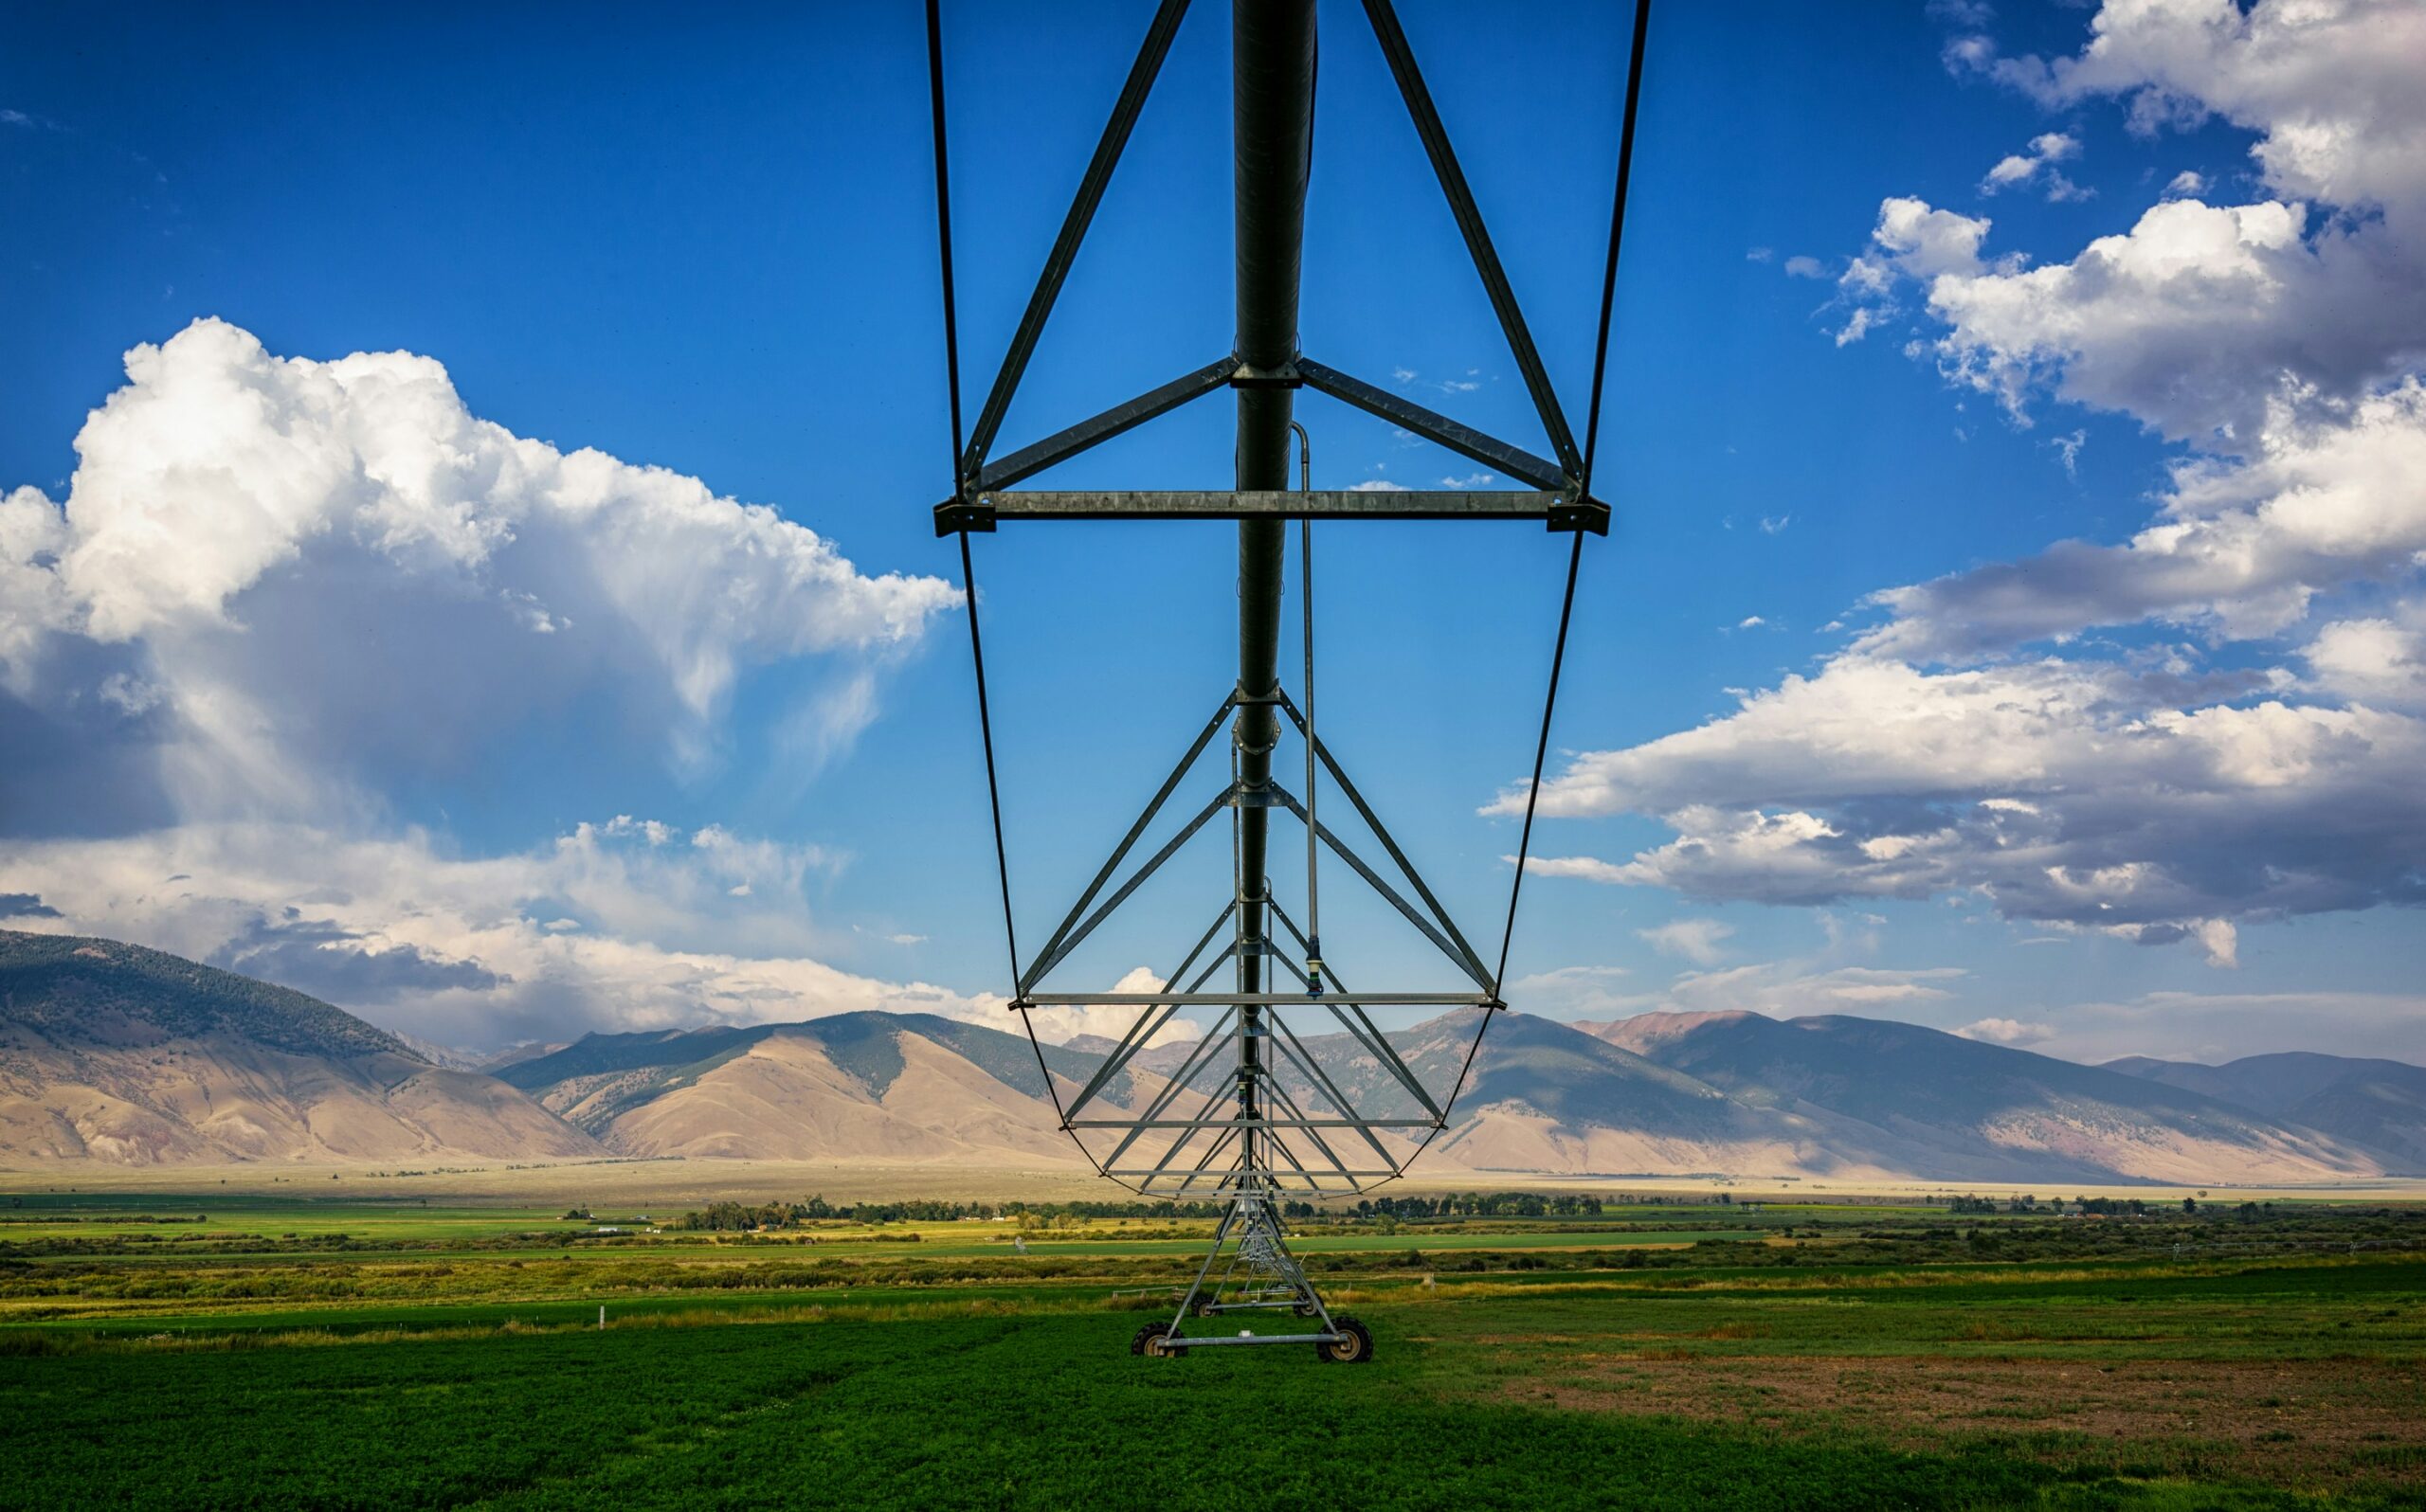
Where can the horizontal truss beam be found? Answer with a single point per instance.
(1558, 511)
(1181, 1181)
(1252, 1122)
(1254, 999)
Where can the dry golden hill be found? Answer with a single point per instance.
(113, 1053)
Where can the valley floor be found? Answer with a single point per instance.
(291, 1354)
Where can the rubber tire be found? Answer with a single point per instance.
(1356, 1349)
(1141, 1342)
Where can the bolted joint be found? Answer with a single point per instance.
(954, 515)
(1581, 514)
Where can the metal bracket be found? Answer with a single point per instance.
(954, 515)
(1247, 375)
(1579, 514)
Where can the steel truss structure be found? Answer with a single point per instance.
(1250, 1117)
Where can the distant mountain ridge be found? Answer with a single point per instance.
(87, 987)
(875, 1085)
(1836, 1096)
(2380, 1104)
(1887, 1088)
(114, 1052)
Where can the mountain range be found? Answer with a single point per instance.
(114, 1052)
(2380, 1104)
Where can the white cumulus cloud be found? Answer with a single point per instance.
(2063, 734)
(598, 928)
(2334, 493)
(2061, 790)
(329, 567)
(277, 589)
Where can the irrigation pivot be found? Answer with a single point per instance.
(1250, 1117)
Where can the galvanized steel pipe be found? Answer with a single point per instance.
(1272, 74)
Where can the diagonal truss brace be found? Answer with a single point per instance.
(1297, 1122)
(1450, 944)
(1149, 1024)
(1062, 445)
(1461, 204)
(1438, 428)
(1431, 919)
(1363, 1030)
(1364, 811)
(1074, 229)
(1062, 942)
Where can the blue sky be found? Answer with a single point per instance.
(376, 740)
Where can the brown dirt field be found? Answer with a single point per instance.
(2288, 1422)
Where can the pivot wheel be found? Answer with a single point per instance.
(1356, 1348)
(1155, 1339)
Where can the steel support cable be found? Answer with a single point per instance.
(1002, 852)
(943, 226)
(1591, 447)
(1617, 232)
(1635, 49)
(967, 569)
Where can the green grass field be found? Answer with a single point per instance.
(1808, 1356)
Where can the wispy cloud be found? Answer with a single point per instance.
(2037, 166)
(2006, 1031)
(1408, 377)
(1574, 992)
(1696, 940)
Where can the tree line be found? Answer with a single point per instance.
(744, 1217)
